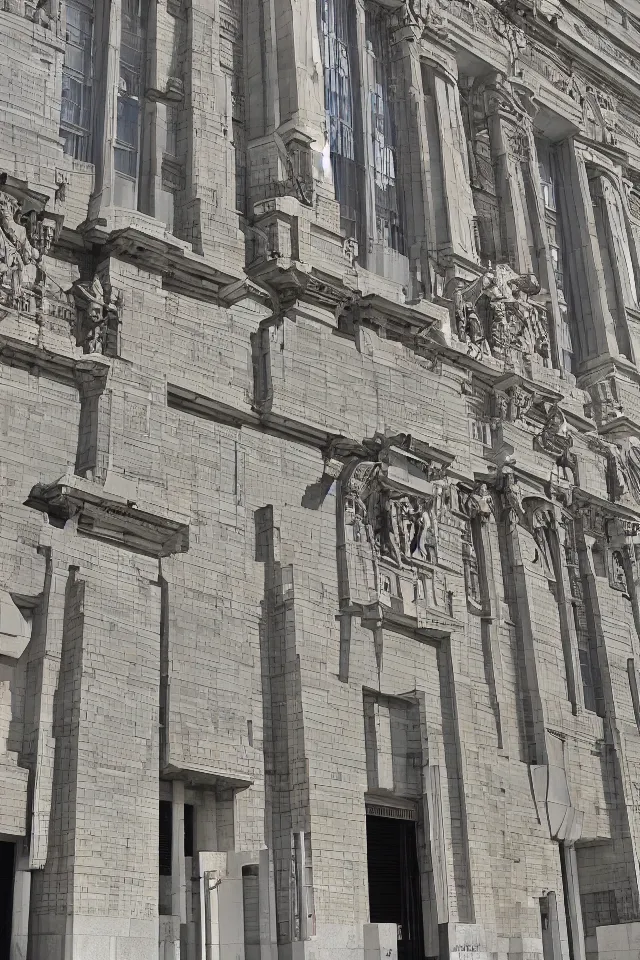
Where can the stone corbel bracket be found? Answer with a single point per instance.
(109, 517)
(415, 325)
(288, 280)
(172, 93)
(182, 270)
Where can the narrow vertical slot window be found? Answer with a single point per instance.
(165, 829)
(389, 229)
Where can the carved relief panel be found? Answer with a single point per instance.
(27, 233)
(399, 529)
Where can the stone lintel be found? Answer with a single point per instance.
(107, 516)
(620, 428)
(199, 776)
(434, 625)
(609, 509)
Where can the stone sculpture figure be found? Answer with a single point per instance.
(515, 322)
(479, 504)
(405, 527)
(18, 257)
(98, 314)
(618, 573)
(540, 528)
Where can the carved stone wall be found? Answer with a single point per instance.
(319, 478)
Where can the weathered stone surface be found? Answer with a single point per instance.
(319, 480)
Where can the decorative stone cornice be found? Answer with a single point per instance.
(110, 517)
(413, 324)
(146, 244)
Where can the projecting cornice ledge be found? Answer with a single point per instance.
(145, 243)
(110, 517)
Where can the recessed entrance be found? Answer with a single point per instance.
(394, 881)
(7, 854)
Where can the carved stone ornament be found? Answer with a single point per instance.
(99, 309)
(26, 235)
(498, 315)
(628, 462)
(617, 572)
(615, 467)
(402, 528)
(512, 404)
(430, 16)
(477, 504)
(398, 529)
(555, 440)
(605, 402)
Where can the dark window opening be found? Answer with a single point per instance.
(7, 868)
(394, 881)
(188, 829)
(166, 837)
(598, 909)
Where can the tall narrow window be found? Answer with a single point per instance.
(338, 23)
(165, 838)
(481, 172)
(130, 103)
(75, 108)
(389, 229)
(547, 167)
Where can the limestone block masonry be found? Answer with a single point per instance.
(319, 480)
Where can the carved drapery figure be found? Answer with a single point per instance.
(18, 257)
(618, 572)
(478, 504)
(515, 325)
(512, 498)
(405, 527)
(27, 233)
(98, 315)
(542, 523)
(628, 463)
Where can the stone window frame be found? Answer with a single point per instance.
(82, 133)
(360, 217)
(107, 43)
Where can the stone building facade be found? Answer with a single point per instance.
(319, 479)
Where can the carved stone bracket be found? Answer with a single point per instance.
(108, 516)
(98, 314)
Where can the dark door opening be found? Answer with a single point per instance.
(394, 881)
(7, 853)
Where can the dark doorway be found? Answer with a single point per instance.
(394, 881)
(7, 853)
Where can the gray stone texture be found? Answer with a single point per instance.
(302, 525)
